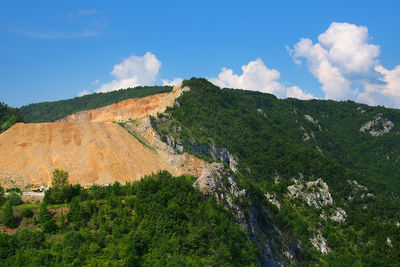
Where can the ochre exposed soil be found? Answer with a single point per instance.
(128, 109)
(92, 148)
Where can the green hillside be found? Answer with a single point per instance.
(158, 221)
(304, 183)
(51, 111)
(9, 116)
(303, 140)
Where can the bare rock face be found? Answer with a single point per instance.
(272, 199)
(377, 126)
(224, 155)
(313, 121)
(339, 215)
(179, 163)
(220, 183)
(315, 193)
(358, 190)
(319, 242)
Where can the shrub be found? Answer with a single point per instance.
(7, 216)
(14, 199)
(27, 213)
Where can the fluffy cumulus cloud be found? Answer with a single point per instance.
(258, 77)
(133, 71)
(346, 64)
(176, 81)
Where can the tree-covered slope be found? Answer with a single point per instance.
(321, 184)
(51, 111)
(8, 117)
(158, 221)
(278, 143)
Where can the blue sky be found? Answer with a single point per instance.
(51, 50)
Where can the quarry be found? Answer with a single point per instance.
(93, 148)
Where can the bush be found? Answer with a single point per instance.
(7, 216)
(14, 199)
(14, 189)
(49, 227)
(27, 213)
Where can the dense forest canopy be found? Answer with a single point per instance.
(158, 221)
(289, 140)
(51, 111)
(9, 116)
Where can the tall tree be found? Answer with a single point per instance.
(7, 216)
(60, 179)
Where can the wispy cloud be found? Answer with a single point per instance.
(95, 82)
(56, 34)
(80, 23)
(85, 12)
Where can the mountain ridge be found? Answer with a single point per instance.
(310, 182)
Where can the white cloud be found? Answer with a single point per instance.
(348, 48)
(133, 71)
(258, 77)
(176, 81)
(346, 64)
(333, 83)
(84, 92)
(296, 92)
(384, 91)
(95, 82)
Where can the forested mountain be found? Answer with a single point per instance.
(8, 117)
(51, 111)
(291, 182)
(290, 152)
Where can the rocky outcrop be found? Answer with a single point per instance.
(315, 193)
(180, 163)
(339, 215)
(224, 155)
(377, 126)
(311, 119)
(358, 190)
(220, 183)
(272, 199)
(319, 242)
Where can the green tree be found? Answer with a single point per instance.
(60, 179)
(7, 216)
(46, 220)
(2, 199)
(27, 213)
(14, 199)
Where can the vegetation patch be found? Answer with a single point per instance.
(128, 126)
(159, 220)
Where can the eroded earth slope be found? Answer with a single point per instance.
(92, 147)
